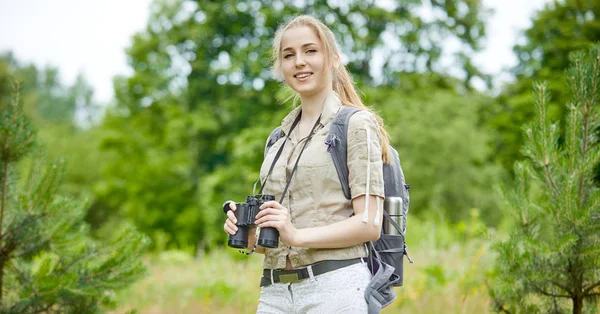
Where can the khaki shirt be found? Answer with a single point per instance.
(315, 197)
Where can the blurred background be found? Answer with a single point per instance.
(163, 108)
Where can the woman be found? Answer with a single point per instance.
(317, 267)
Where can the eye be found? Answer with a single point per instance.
(311, 51)
(286, 56)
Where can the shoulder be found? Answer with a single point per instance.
(361, 120)
(363, 126)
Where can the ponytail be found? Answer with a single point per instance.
(343, 85)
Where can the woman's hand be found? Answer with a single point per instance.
(230, 224)
(274, 215)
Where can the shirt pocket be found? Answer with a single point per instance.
(314, 166)
(318, 172)
(315, 154)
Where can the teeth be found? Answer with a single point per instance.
(302, 75)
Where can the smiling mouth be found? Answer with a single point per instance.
(302, 75)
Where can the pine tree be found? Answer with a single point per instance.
(557, 30)
(550, 262)
(48, 262)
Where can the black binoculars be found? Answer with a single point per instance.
(245, 213)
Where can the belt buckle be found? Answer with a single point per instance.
(291, 278)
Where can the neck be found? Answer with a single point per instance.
(312, 105)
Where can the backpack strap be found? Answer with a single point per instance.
(394, 178)
(276, 134)
(337, 143)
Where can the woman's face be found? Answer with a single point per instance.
(303, 61)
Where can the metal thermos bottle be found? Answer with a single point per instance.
(393, 206)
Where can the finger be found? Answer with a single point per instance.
(231, 216)
(228, 230)
(231, 225)
(272, 224)
(272, 204)
(232, 206)
(270, 215)
(265, 212)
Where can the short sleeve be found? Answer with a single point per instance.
(365, 165)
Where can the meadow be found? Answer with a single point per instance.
(448, 276)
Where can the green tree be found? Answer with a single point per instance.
(190, 123)
(67, 118)
(557, 30)
(553, 250)
(48, 262)
(443, 149)
(45, 99)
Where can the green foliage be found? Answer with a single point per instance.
(16, 135)
(190, 123)
(65, 117)
(153, 185)
(443, 150)
(560, 28)
(48, 263)
(45, 99)
(551, 254)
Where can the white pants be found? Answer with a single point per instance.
(338, 291)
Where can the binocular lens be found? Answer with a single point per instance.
(269, 237)
(240, 239)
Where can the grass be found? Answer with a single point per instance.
(215, 283)
(448, 276)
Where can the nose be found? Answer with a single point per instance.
(300, 61)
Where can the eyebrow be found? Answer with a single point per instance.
(305, 45)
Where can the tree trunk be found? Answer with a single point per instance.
(1, 280)
(577, 305)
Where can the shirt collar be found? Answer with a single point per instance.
(330, 108)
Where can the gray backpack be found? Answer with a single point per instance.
(386, 255)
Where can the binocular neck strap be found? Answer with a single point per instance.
(297, 160)
(262, 186)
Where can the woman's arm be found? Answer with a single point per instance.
(344, 233)
(347, 232)
(341, 234)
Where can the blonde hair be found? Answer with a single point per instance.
(343, 84)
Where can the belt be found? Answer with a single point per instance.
(295, 275)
